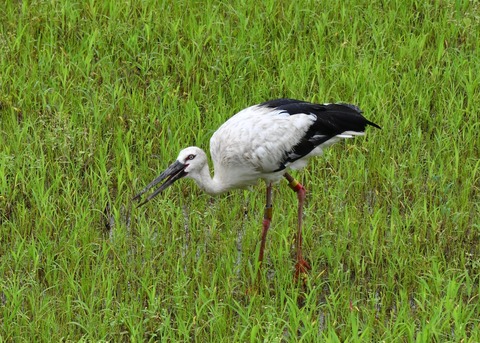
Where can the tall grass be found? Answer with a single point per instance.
(97, 97)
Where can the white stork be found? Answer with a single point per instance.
(263, 142)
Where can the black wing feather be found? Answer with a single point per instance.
(331, 120)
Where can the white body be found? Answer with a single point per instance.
(250, 146)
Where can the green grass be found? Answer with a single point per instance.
(97, 97)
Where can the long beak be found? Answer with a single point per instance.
(173, 173)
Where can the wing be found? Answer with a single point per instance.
(332, 122)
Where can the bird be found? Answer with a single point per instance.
(264, 142)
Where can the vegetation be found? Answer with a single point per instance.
(97, 97)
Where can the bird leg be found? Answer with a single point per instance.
(267, 218)
(302, 265)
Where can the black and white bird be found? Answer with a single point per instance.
(264, 141)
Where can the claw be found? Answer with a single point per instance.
(302, 267)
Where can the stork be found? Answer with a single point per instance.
(265, 141)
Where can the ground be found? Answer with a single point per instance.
(96, 98)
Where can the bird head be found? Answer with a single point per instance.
(189, 161)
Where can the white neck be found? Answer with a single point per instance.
(205, 182)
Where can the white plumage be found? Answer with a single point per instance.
(253, 142)
(263, 142)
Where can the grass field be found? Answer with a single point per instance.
(97, 97)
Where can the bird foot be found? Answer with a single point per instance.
(302, 267)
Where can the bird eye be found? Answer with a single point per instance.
(190, 157)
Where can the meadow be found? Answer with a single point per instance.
(98, 97)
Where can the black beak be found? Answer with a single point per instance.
(173, 173)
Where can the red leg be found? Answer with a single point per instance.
(302, 265)
(267, 218)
